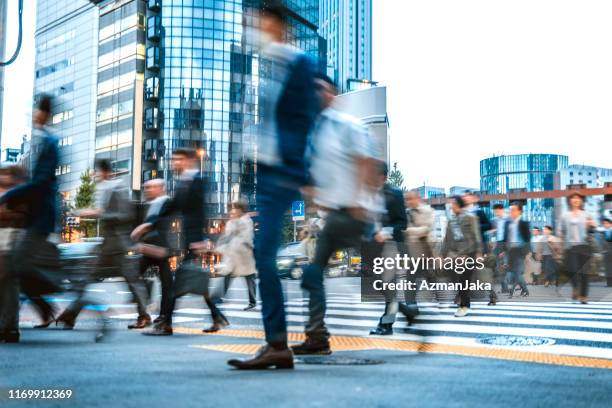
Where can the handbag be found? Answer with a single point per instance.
(191, 277)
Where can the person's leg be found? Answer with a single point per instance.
(131, 273)
(272, 202)
(584, 275)
(252, 289)
(573, 269)
(167, 302)
(9, 307)
(520, 273)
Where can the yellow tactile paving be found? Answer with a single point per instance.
(345, 343)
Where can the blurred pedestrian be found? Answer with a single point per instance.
(389, 241)
(115, 214)
(154, 245)
(517, 247)
(39, 194)
(342, 171)
(575, 228)
(548, 252)
(187, 204)
(607, 232)
(472, 207)
(289, 108)
(498, 231)
(236, 248)
(462, 241)
(12, 221)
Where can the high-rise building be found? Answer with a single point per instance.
(201, 89)
(523, 172)
(458, 190)
(66, 66)
(346, 26)
(120, 87)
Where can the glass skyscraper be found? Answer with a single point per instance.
(523, 172)
(201, 89)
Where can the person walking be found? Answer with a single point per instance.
(289, 109)
(154, 245)
(187, 204)
(607, 235)
(114, 212)
(576, 226)
(517, 247)
(548, 252)
(389, 241)
(462, 240)
(342, 172)
(40, 197)
(498, 231)
(236, 248)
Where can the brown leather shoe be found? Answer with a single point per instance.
(266, 357)
(141, 323)
(216, 326)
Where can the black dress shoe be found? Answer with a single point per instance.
(312, 346)
(159, 319)
(161, 329)
(9, 336)
(383, 329)
(46, 323)
(249, 307)
(65, 322)
(266, 357)
(216, 326)
(410, 311)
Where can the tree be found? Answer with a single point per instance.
(85, 199)
(85, 193)
(396, 179)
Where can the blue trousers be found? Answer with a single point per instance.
(273, 200)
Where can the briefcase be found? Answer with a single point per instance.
(191, 277)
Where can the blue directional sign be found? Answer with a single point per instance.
(298, 210)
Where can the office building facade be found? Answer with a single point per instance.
(201, 89)
(582, 176)
(66, 62)
(346, 26)
(524, 172)
(427, 192)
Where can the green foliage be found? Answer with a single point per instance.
(396, 179)
(85, 193)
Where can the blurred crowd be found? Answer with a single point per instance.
(307, 148)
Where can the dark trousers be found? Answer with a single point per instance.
(273, 200)
(9, 300)
(577, 258)
(32, 283)
(179, 282)
(464, 294)
(251, 287)
(549, 268)
(516, 269)
(341, 231)
(165, 277)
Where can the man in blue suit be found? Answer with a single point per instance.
(40, 195)
(289, 106)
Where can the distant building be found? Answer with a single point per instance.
(458, 190)
(346, 27)
(581, 176)
(370, 106)
(523, 172)
(66, 65)
(430, 192)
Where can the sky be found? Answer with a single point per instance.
(465, 80)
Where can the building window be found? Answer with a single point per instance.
(152, 118)
(152, 88)
(154, 5)
(153, 57)
(62, 116)
(154, 28)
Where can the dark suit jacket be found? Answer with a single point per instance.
(188, 204)
(296, 111)
(523, 228)
(40, 193)
(395, 216)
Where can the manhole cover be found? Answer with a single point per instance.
(516, 341)
(337, 361)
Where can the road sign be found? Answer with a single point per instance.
(298, 211)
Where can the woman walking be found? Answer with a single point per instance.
(575, 229)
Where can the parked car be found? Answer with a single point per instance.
(78, 259)
(291, 260)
